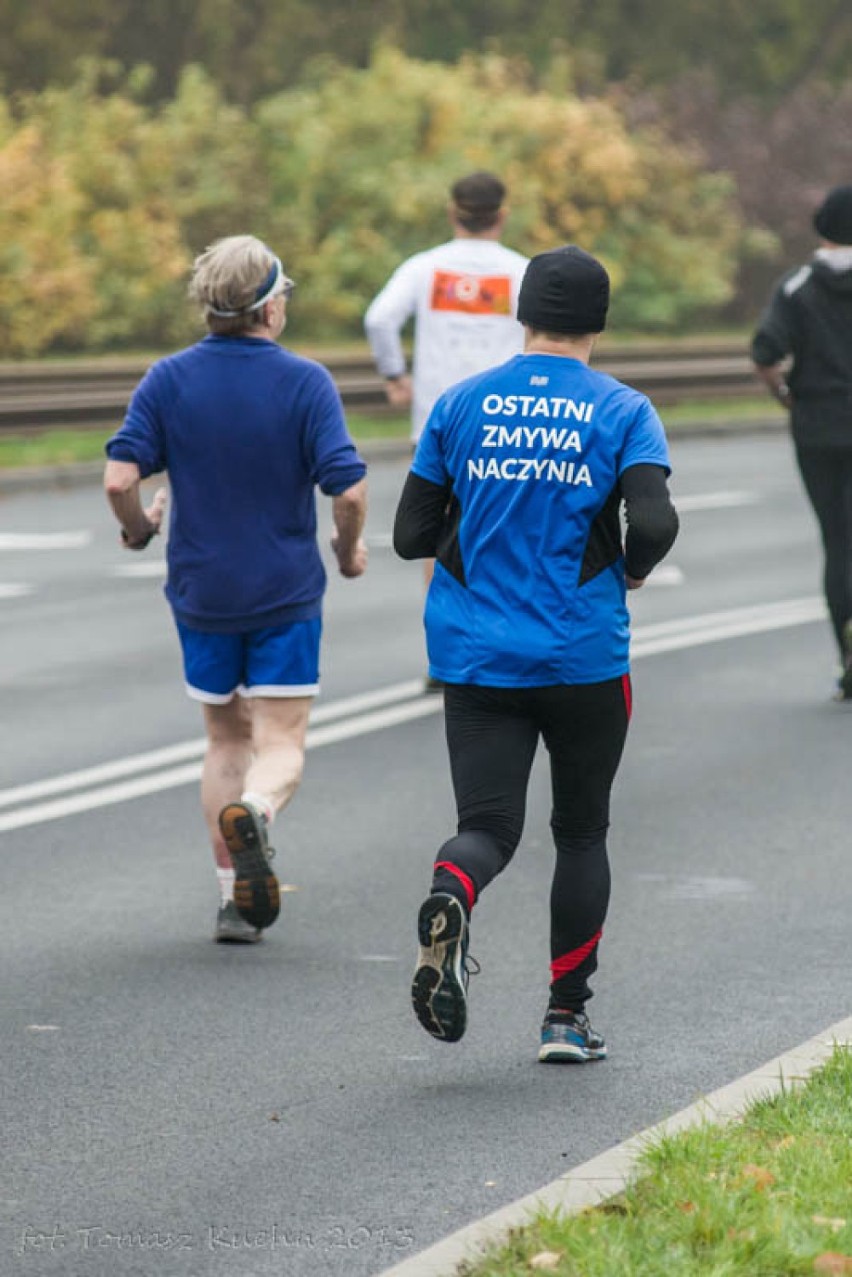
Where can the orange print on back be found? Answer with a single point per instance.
(472, 294)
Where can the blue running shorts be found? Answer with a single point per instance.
(282, 660)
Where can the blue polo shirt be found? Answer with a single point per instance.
(246, 431)
(533, 451)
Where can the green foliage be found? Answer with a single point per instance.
(361, 163)
(110, 197)
(256, 47)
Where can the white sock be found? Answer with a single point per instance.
(226, 884)
(261, 805)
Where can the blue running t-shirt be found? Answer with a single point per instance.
(532, 592)
(246, 431)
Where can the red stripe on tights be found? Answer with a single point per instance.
(627, 688)
(570, 961)
(467, 883)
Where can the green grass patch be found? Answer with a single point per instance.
(53, 448)
(767, 1196)
(70, 446)
(752, 408)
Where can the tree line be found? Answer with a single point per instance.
(767, 48)
(688, 151)
(108, 197)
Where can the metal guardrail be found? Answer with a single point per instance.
(39, 396)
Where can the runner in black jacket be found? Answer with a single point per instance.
(802, 349)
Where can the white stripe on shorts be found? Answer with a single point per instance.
(280, 690)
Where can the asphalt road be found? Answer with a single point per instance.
(170, 1106)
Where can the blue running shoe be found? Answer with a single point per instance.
(567, 1037)
(439, 989)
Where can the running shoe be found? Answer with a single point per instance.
(439, 989)
(232, 929)
(845, 680)
(256, 893)
(567, 1037)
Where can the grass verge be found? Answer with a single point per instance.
(767, 1196)
(67, 447)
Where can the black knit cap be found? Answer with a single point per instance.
(833, 218)
(565, 290)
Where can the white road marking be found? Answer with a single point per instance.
(15, 590)
(666, 574)
(714, 501)
(149, 568)
(194, 749)
(360, 715)
(712, 627)
(694, 887)
(44, 540)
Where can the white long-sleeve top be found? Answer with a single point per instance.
(463, 296)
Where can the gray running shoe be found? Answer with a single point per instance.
(439, 989)
(568, 1038)
(256, 892)
(232, 929)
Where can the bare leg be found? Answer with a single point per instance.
(279, 726)
(226, 762)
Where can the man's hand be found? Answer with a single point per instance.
(635, 582)
(354, 562)
(153, 517)
(398, 391)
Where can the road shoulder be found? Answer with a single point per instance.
(608, 1174)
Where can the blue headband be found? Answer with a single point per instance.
(263, 294)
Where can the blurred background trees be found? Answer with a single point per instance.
(685, 141)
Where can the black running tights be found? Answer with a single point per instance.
(827, 476)
(492, 735)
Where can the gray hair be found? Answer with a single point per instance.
(225, 279)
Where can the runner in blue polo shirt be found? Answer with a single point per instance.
(516, 489)
(247, 432)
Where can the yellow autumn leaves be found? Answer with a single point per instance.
(106, 198)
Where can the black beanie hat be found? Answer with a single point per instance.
(833, 218)
(564, 291)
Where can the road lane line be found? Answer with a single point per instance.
(713, 501)
(44, 540)
(140, 786)
(671, 636)
(361, 714)
(186, 750)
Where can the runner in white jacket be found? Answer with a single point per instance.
(463, 296)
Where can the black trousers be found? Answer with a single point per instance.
(827, 476)
(492, 736)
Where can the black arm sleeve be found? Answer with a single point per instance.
(420, 517)
(652, 522)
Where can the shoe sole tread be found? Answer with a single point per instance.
(257, 895)
(437, 992)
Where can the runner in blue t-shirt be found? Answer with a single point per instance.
(516, 489)
(246, 431)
